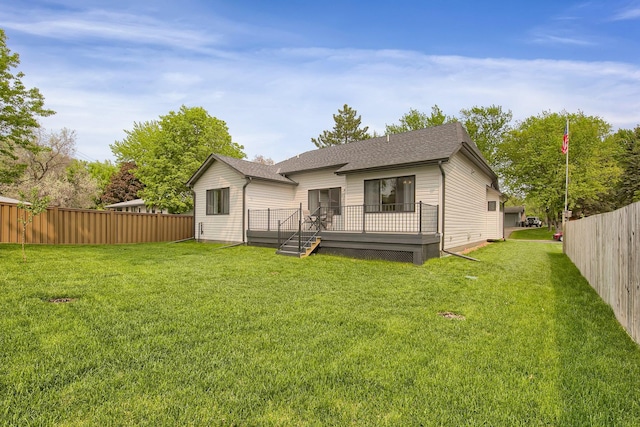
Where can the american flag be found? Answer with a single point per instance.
(565, 139)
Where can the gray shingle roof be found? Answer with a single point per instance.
(244, 167)
(406, 149)
(416, 147)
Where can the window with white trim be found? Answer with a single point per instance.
(390, 194)
(218, 201)
(327, 198)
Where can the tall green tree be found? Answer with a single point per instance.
(346, 129)
(628, 190)
(535, 166)
(19, 109)
(102, 171)
(487, 127)
(168, 151)
(414, 120)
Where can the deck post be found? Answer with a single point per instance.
(300, 229)
(279, 242)
(364, 210)
(420, 219)
(268, 219)
(249, 219)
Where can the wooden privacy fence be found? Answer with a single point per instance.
(59, 226)
(606, 250)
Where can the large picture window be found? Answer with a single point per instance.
(390, 194)
(327, 198)
(218, 201)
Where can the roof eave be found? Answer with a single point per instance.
(393, 166)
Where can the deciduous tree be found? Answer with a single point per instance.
(52, 170)
(32, 206)
(487, 127)
(19, 109)
(168, 151)
(535, 166)
(345, 130)
(259, 158)
(123, 186)
(414, 120)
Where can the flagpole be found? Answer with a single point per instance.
(566, 180)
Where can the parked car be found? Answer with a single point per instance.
(533, 221)
(558, 236)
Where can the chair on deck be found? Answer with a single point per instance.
(309, 222)
(327, 219)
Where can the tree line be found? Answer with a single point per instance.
(604, 167)
(157, 157)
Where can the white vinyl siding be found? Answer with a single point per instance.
(222, 228)
(269, 195)
(427, 190)
(315, 180)
(427, 185)
(466, 203)
(495, 218)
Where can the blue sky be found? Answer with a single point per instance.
(276, 71)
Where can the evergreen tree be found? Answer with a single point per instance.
(629, 186)
(346, 129)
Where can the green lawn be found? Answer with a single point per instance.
(191, 334)
(542, 233)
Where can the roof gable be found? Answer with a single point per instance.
(245, 168)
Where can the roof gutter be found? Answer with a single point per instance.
(244, 207)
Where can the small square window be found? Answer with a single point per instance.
(218, 201)
(492, 206)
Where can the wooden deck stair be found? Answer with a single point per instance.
(290, 248)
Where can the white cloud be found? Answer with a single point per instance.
(274, 101)
(628, 14)
(100, 24)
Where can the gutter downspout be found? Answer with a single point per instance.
(244, 207)
(196, 229)
(443, 200)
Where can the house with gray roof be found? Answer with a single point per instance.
(406, 197)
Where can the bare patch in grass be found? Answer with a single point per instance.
(451, 315)
(60, 300)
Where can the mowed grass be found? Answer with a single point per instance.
(192, 334)
(542, 233)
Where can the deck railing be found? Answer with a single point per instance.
(413, 218)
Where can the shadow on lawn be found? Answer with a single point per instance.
(599, 364)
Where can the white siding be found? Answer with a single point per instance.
(223, 228)
(427, 187)
(270, 195)
(316, 180)
(494, 229)
(427, 184)
(466, 203)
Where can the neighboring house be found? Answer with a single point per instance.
(136, 206)
(8, 200)
(514, 216)
(405, 197)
